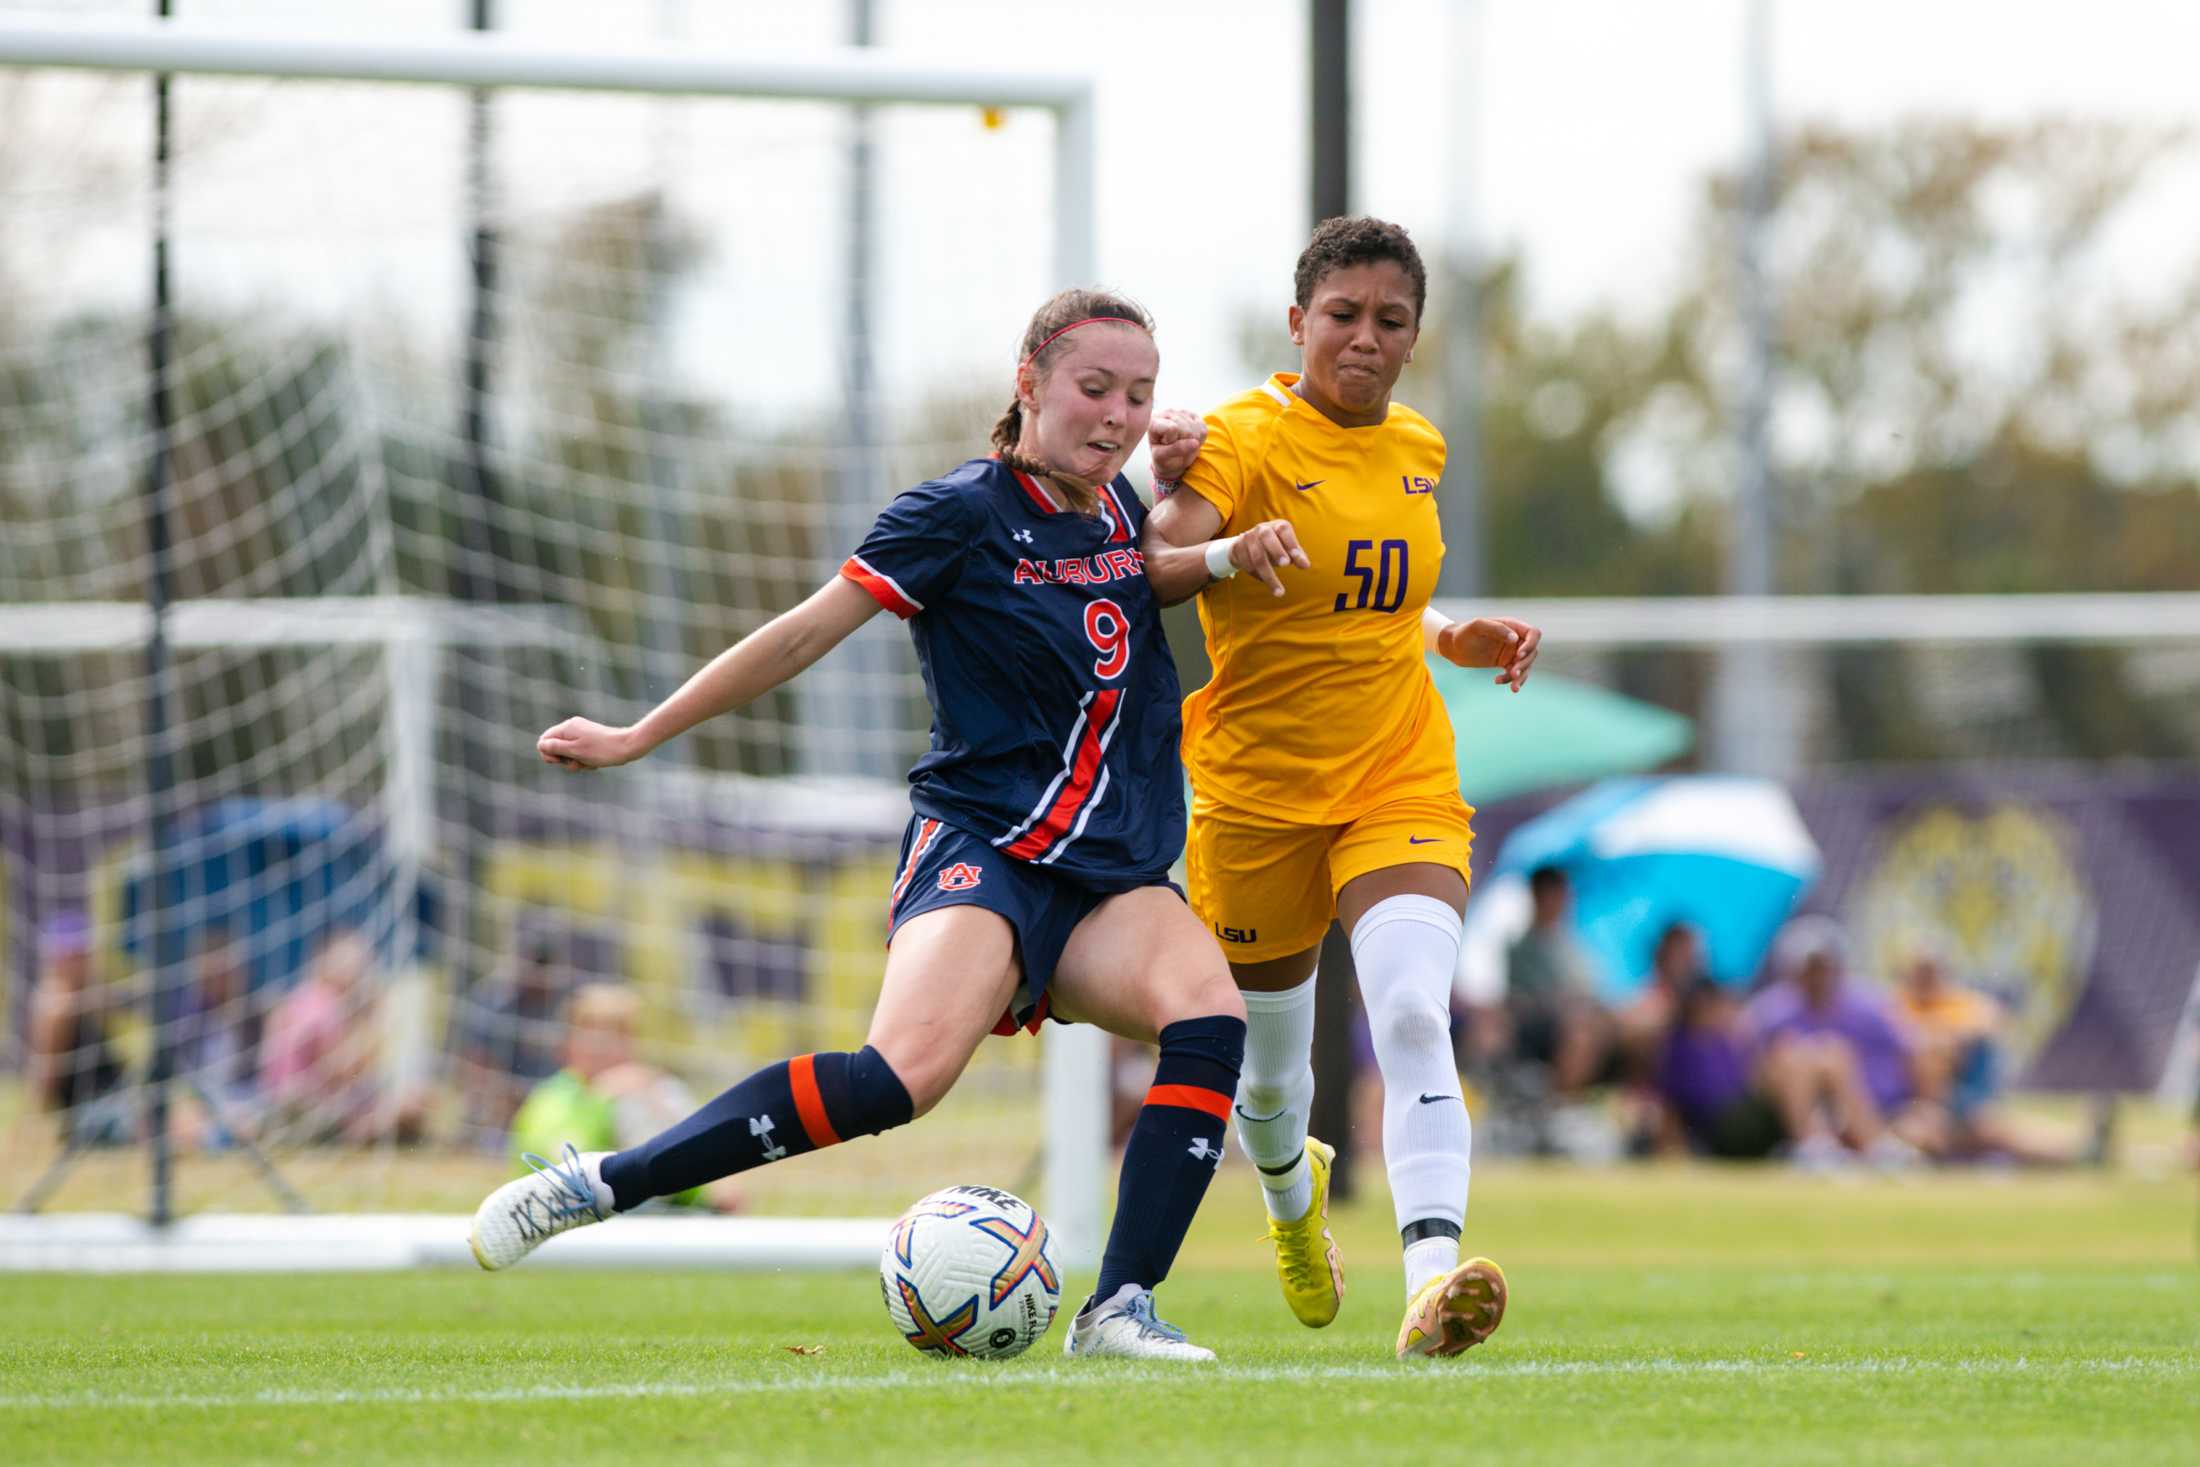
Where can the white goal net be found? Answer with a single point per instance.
(474, 408)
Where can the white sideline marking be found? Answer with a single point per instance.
(941, 1378)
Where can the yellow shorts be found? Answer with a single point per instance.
(1268, 888)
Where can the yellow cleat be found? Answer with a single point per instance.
(1454, 1311)
(1306, 1254)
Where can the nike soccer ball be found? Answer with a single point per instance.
(970, 1271)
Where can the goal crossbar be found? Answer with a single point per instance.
(62, 628)
(487, 59)
(1715, 621)
(833, 74)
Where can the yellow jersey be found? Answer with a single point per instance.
(1321, 706)
(1955, 1013)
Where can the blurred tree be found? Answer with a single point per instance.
(1973, 398)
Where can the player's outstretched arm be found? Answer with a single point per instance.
(1183, 554)
(1503, 642)
(744, 672)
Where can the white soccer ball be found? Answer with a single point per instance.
(970, 1271)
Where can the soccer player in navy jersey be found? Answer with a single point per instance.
(1033, 880)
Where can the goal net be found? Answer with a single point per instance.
(474, 409)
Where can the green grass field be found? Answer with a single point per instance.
(1659, 1314)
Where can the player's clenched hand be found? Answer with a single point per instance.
(1174, 438)
(1266, 548)
(580, 743)
(1502, 642)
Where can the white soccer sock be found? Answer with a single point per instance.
(1275, 1091)
(1426, 1259)
(1406, 949)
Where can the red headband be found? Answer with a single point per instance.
(1072, 326)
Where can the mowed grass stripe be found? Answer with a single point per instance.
(948, 1378)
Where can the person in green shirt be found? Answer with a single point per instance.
(604, 1099)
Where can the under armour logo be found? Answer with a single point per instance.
(761, 1128)
(1021, 537)
(1205, 1150)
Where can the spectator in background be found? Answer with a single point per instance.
(1642, 1025)
(1955, 1034)
(1550, 990)
(1726, 1100)
(318, 1067)
(218, 1043)
(72, 1068)
(1815, 1006)
(603, 1099)
(510, 1036)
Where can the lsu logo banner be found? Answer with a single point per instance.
(2070, 895)
(1998, 894)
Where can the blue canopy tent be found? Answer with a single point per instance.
(1552, 733)
(1726, 854)
(279, 875)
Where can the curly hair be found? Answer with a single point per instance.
(1042, 346)
(1344, 241)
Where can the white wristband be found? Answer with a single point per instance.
(1218, 558)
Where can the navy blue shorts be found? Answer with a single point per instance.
(943, 866)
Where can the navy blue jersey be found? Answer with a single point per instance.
(1055, 706)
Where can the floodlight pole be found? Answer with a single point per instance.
(664, 650)
(1337, 996)
(479, 580)
(1753, 724)
(160, 778)
(1466, 557)
(854, 698)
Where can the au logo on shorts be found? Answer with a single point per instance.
(960, 877)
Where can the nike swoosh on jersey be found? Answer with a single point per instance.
(1309, 484)
(1422, 840)
(1432, 1099)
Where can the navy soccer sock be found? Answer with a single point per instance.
(797, 1105)
(1173, 1149)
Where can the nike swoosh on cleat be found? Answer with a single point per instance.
(1309, 484)
(1432, 1099)
(1422, 840)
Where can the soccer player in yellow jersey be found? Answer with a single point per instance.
(1322, 762)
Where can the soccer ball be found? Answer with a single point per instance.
(970, 1271)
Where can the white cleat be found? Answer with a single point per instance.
(1125, 1326)
(521, 1216)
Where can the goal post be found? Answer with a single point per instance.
(324, 634)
